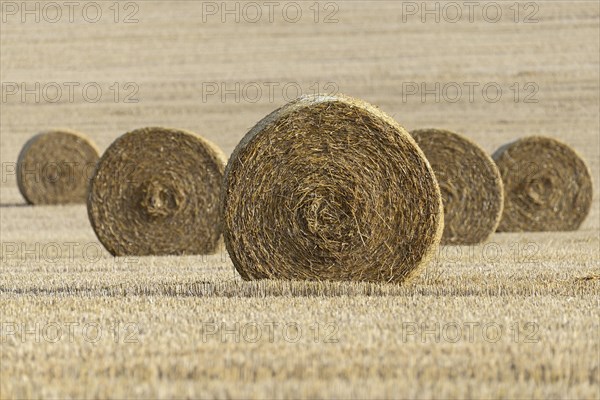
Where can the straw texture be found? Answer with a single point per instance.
(470, 183)
(547, 185)
(156, 192)
(54, 167)
(330, 188)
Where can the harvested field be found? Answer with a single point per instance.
(517, 316)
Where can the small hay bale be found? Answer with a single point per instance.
(470, 183)
(54, 167)
(156, 192)
(330, 188)
(547, 186)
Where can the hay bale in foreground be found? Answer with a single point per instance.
(330, 188)
(470, 183)
(54, 167)
(156, 192)
(547, 185)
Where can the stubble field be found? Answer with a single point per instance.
(515, 317)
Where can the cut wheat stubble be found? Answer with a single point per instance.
(470, 183)
(54, 167)
(156, 192)
(330, 188)
(547, 185)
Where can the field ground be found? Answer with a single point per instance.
(516, 317)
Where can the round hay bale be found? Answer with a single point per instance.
(156, 192)
(330, 188)
(547, 186)
(54, 167)
(470, 183)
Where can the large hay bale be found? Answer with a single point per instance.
(54, 167)
(156, 192)
(330, 188)
(547, 185)
(470, 183)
